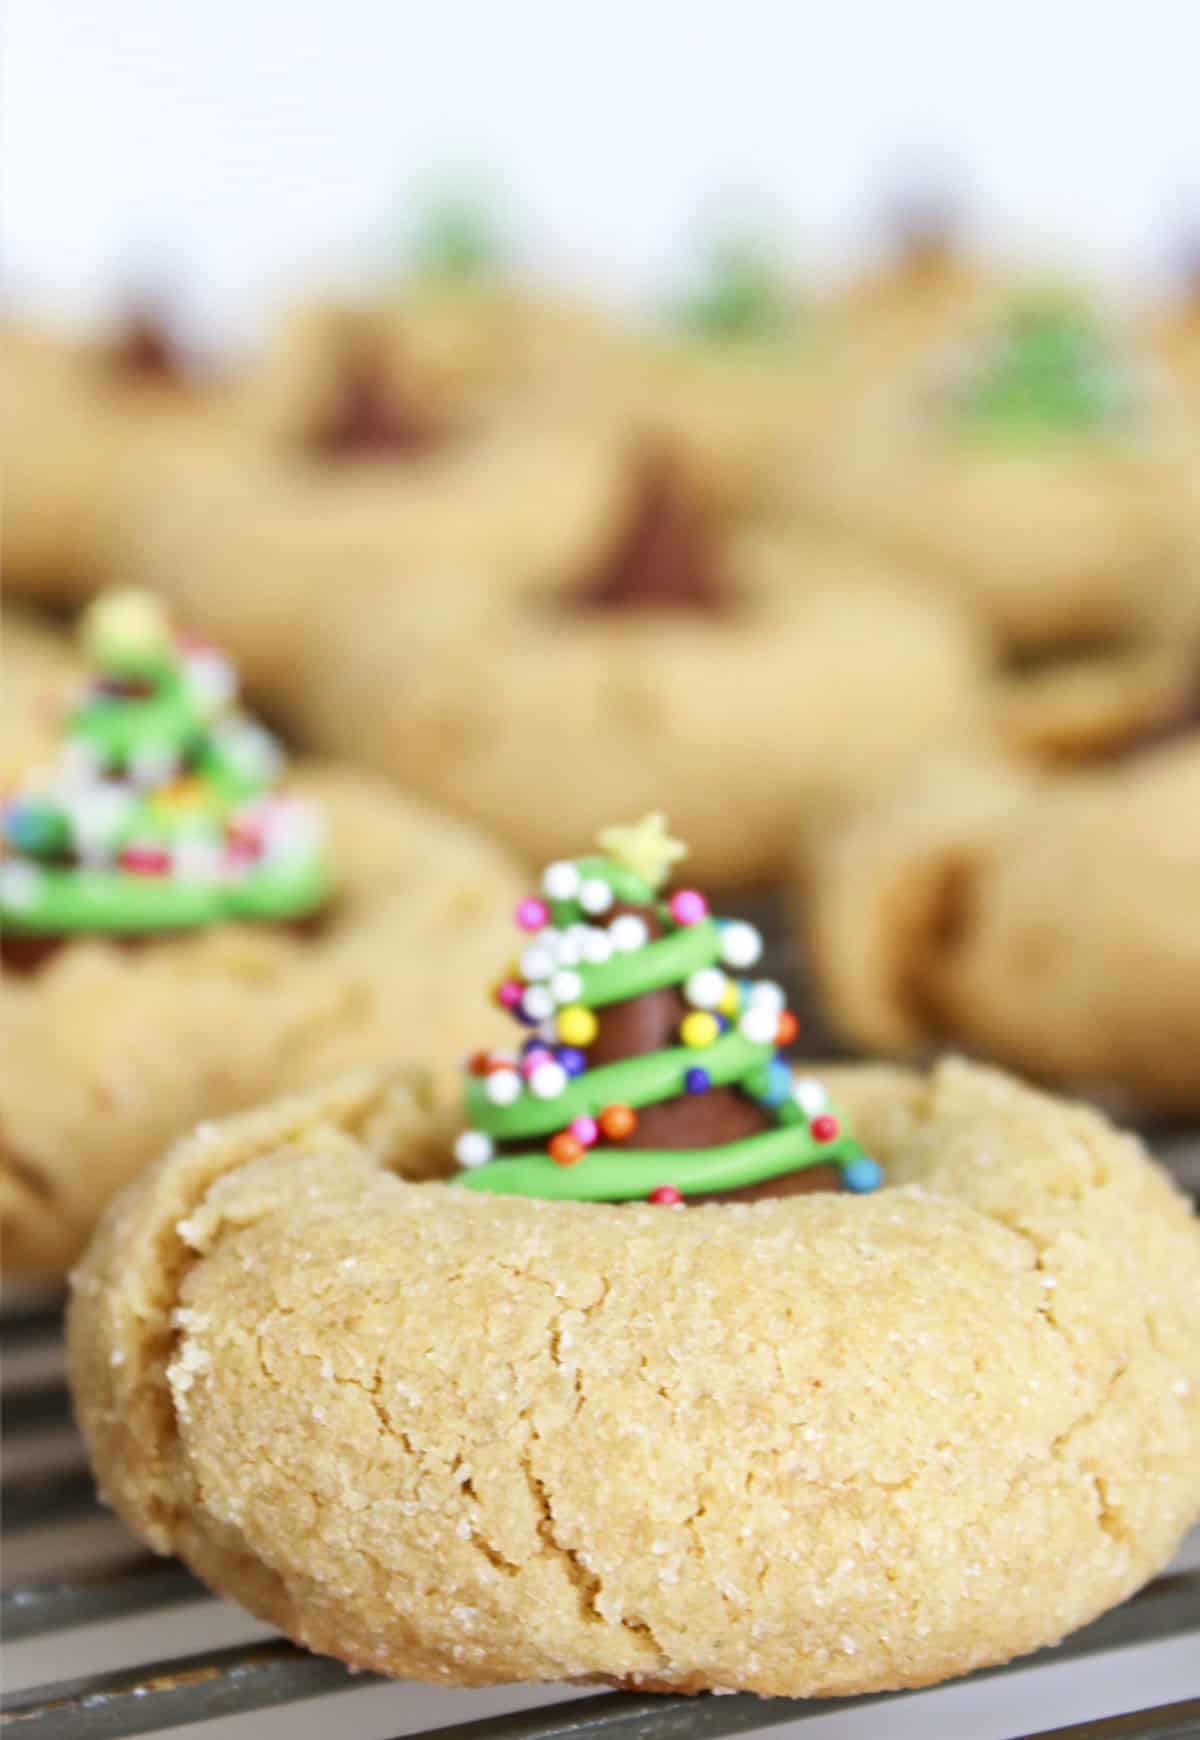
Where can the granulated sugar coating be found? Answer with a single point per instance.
(812, 1446)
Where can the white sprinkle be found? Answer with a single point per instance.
(597, 946)
(548, 1080)
(741, 944)
(705, 988)
(595, 895)
(759, 1025)
(561, 880)
(537, 962)
(628, 933)
(566, 987)
(473, 1148)
(809, 1094)
(502, 1087)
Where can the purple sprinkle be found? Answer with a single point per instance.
(572, 1060)
(697, 1081)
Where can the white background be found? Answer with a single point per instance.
(231, 147)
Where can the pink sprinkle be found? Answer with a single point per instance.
(532, 913)
(509, 994)
(584, 1130)
(667, 1195)
(530, 1061)
(688, 906)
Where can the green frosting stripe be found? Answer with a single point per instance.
(78, 902)
(623, 1175)
(666, 961)
(635, 1081)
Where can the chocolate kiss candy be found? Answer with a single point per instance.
(663, 558)
(370, 417)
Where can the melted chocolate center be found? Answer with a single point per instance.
(371, 417)
(706, 1120)
(24, 955)
(664, 556)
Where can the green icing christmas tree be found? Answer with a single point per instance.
(739, 295)
(160, 814)
(651, 1069)
(1049, 370)
(456, 239)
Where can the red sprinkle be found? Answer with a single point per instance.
(824, 1128)
(478, 1063)
(667, 1195)
(787, 1029)
(145, 860)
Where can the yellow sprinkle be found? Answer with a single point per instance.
(576, 1025)
(699, 1028)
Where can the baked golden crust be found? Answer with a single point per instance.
(109, 1051)
(813, 1446)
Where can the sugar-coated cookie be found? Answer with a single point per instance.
(183, 932)
(816, 1446)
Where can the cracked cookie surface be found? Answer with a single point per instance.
(812, 1446)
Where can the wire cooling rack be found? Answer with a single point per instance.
(104, 1640)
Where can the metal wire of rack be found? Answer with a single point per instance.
(74, 1580)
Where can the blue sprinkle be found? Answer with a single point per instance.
(779, 1083)
(572, 1059)
(862, 1175)
(697, 1081)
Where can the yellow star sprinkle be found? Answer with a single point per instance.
(644, 847)
(117, 623)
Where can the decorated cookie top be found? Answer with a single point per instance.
(1048, 370)
(739, 295)
(651, 1067)
(160, 814)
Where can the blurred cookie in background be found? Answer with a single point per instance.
(367, 446)
(923, 277)
(743, 678)
(743, 356)
(86, 415)
(1030, 457)
(1048, 921)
